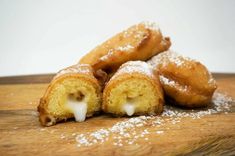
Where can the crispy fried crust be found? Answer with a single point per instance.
(135, 70)
(78, 71)
(185, 81)
(139, 42)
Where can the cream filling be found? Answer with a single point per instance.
(79, 109)
(129, 108)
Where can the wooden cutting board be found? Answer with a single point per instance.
(22, 134)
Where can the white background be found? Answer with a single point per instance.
(45, 36)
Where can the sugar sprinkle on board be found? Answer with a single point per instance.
(130, 130)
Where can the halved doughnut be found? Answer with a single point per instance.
(73, 93)
(133, 90)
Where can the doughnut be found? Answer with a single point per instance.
(133, 90)
(73, 93)
(186, 82)
(139, 42)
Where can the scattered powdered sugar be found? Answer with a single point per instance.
(119, 131)
(220, 103)
(135, 32)
(151, 26)
(126, 47)
(131, 130)
(138, 32)
(96, 137)
(111, 51)
(62, 136)
(211, 80)
(135, 67)
(140, 35)
(167, 57)
(159, 132)
(166, 81)
(172, 83)
(42, 129)
(127, 34)
(15, 127)
(108, 55)
(75, 69)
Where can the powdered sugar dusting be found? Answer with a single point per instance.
(119, 131)
(131, 130)
(166, 81)
(126, 47)
(220, 103)
(172, 83)
(211, 80)
(135, 67)
(108, 55)
(151, 25)
(162, 60)
(111, 52)
(75, 69)
(136, 34)
(167, 57)
(140, 35)
(98, 136)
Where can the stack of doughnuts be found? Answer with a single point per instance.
(132, 73)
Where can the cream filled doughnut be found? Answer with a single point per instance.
(73, 93)
(133, 90)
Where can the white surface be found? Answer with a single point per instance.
(45, 36)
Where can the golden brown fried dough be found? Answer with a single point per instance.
(187, 82)
(134, 89)
(73, 92)
(139, 42)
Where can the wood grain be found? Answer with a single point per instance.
(27, 79)
(21, 133)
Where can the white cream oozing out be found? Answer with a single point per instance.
(129, 108)
(79, 109)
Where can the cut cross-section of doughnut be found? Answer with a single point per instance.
(73, 93)
(133, 90)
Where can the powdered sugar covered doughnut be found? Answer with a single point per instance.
(139, 42)
(186, 81)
